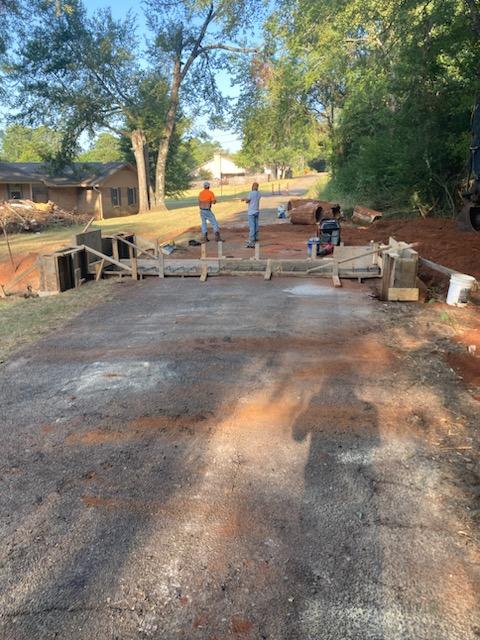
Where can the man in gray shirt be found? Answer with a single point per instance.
(253, 200)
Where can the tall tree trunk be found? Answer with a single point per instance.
(151, 191)
(138, 146)
(167, 137)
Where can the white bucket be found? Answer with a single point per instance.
(459, 289)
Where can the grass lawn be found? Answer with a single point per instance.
(23, 321)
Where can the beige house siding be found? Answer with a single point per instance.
(64, 197)
(89, 202)
(124, 179)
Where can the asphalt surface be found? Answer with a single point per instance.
(239, 459)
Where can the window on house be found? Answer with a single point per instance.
(132, 195)
(116, 196)
(15, 192)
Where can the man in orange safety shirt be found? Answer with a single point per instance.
(206, 198)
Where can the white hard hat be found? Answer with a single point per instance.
(206, 184)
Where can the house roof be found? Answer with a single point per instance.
(78, 174)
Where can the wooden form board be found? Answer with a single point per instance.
(185, 267)
(400, 269)
(404, 294)
(91, 239)
(363, 261)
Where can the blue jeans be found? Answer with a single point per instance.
(208, 215)
(253, 226)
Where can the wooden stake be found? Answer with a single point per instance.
(133, 262)
(220, 249)
(88, 225)
(336, 280)
(161, 264)
(257, 250)
(99, 269)
(204, 274)
(203, 250)
(4, 227)
(268, 271)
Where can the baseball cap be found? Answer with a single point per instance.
(206, 184)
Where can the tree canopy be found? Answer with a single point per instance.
(394, 84)
(105, 148)
(27, 144)
(382, 89)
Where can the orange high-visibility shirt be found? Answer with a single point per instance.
(206, 198)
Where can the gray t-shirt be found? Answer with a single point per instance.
(254, 204)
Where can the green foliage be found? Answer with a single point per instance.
(393, 83)
(203, 150)
(25, 144)
(277, 128)
(105, 148)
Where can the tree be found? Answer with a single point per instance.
(203, 149)
(25, 144)
(82, 77)
(272, 115)
(105, 148)
(394, 82)
(189, 36)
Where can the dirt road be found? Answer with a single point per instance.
(240, 459)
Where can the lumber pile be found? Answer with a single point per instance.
(25, 215)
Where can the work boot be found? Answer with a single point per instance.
(204, 238)
(217, 236)
(249, 244)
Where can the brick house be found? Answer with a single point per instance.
(105, 190)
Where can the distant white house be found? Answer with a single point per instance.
(221, 167)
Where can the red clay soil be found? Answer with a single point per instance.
(438, 240)
(22, 263)
(467, 366)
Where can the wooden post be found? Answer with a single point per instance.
(133, 262)
(268, 271)
(204, 274)
(257, 250)
(203, 251)
(161, 264)
(77, 275)
(220, 249)
(388, 276)
(115, 251)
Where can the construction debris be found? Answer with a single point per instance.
(365, 215)
(25, 215)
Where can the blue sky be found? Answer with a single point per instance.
(227, 138)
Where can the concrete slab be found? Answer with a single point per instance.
(226, 460)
